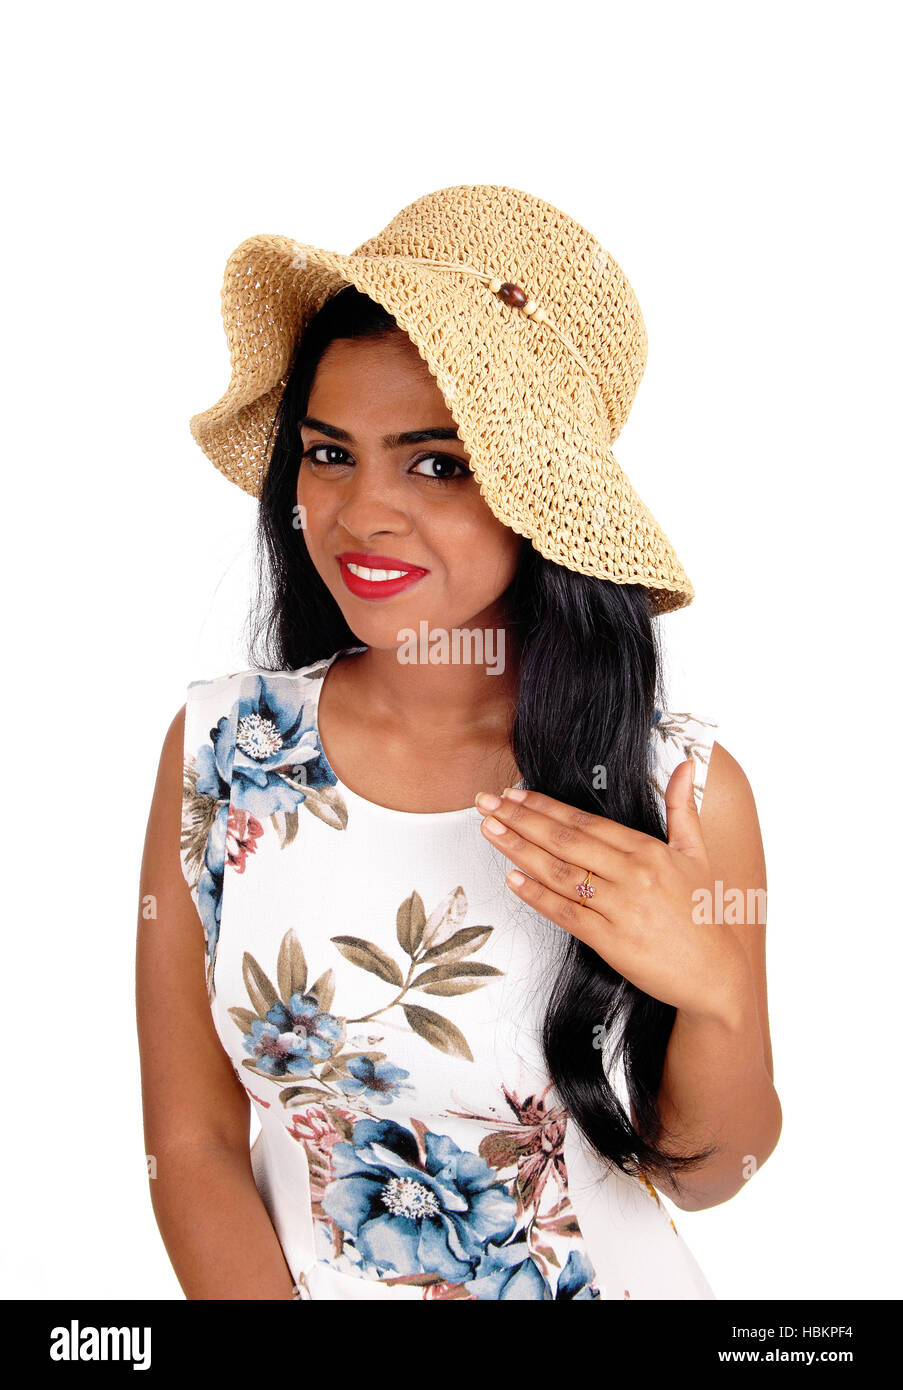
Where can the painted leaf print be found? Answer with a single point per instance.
(403, 1203)
(291, 1031)
(439, 942)
(682, 733)
(388, 993)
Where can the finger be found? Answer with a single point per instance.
(548, 842)
(587, 925)
(684, 826)
(560, 874)
(612, 832)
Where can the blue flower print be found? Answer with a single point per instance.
(510, 1272)
(213, 761)
(575, 1280)
(376, 1081)
(408, 1217)
(210, 883)
(294, 1037)
(269, 743)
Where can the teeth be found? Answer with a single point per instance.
(375, 575)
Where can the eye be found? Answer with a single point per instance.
(446, 461)
(315, 449)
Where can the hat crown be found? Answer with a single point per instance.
(523, 239)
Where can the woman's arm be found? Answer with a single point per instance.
(215, 1227)
(718, 1080)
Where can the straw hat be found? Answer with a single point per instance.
(535, 339)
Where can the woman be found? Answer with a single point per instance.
(462, 897)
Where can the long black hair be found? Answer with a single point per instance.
(589, 679)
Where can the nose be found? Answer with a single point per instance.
(373, 500)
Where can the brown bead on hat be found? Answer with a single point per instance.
(533, 335)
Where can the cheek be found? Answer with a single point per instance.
(497, 547)
(304, 491)
(311, 501)
(485, 555)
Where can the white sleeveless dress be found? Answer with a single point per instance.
(379, 990)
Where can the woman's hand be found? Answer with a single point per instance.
(639, 917)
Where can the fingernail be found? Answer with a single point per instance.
(487, 801)
(514, 793)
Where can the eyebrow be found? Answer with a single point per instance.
(390, 441)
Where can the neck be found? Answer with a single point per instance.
(457, 680)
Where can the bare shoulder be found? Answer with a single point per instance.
(169, 775)
(175, 737)
(164, 820)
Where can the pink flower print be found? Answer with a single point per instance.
(243, 830)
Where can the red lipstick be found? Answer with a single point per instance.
(370, 588)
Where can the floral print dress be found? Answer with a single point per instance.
(379, 991)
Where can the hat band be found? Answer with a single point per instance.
(516, 296)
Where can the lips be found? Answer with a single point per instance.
(373, 583)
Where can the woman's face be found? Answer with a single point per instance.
(380, 503)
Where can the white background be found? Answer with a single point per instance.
(742, 165)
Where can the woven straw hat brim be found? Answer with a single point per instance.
(538, 444)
